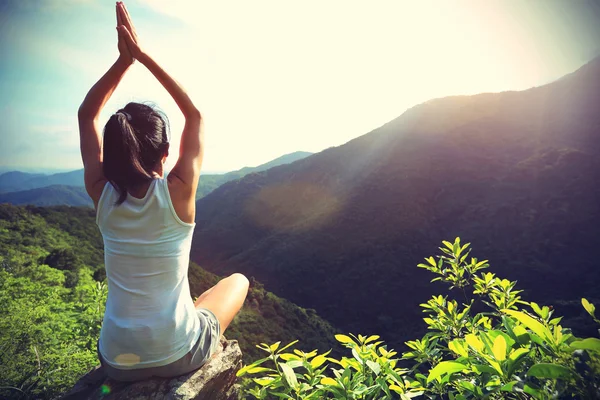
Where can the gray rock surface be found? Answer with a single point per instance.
(214, 381)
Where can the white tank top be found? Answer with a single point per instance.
(150, 319)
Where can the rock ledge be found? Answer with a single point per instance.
(214, 381)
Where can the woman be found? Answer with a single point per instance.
(151, 326)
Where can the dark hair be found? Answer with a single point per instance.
(135, 140)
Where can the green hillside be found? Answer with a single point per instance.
(52, 302)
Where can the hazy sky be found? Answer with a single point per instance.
(273, 77)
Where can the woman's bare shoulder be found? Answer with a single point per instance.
(183, 198)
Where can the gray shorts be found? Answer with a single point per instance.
(205, 347)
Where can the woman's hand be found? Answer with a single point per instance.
(124, 53)
(127, 32)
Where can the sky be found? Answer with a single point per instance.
(274, 77)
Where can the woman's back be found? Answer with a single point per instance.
(150, 316)
(151, 326)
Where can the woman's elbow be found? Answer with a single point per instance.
(193, 114)
(84, 113)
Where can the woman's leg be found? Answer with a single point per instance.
(225, 299)
(203, 295)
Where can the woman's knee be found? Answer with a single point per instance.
(240, 280)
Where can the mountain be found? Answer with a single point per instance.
(285, 159)
(49, 196)
(210, 182)
(517, 174)
(15, 181)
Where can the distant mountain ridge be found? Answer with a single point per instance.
(517, 174)
(210, 182)
(14, 181)
(49, 196)
(66, 188)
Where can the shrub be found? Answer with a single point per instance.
(511, 349)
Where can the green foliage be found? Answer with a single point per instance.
(28, 234)
(52, 302)
(65, 260)
(371, 373)
(511, 349)
(48, 333)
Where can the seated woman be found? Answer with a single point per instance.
(151, 326)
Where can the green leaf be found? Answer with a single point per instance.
(555, 321)
(289, 356)
(357, 355)
(587, 344)
(329, 382)
(495, 364)
(509, 340)
(256, 370)
(375, 367)
(396, 389)
(282, 395)
(589, 307)
(532, 391)
(264, 381)
(371, 338)
(536, 308)
(289, 375)
(552, 371)
(467, 385)
(448, 244)
(509, 386)
(458, 347)
(445, 367)
(343, 339)
(274, 346)
(521, 334)
(295, 363)
(318, 361)
(518, 353)
(410, 395)
(499, 348)
(245, 369)
(288, 345)
(532, 324)
(481, 369)
(474, 342)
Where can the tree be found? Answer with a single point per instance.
(65, 259)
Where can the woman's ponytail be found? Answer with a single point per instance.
(132, 148)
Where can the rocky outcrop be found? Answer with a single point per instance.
(214, 381)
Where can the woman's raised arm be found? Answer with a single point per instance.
(187, 168)
(89, 132)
